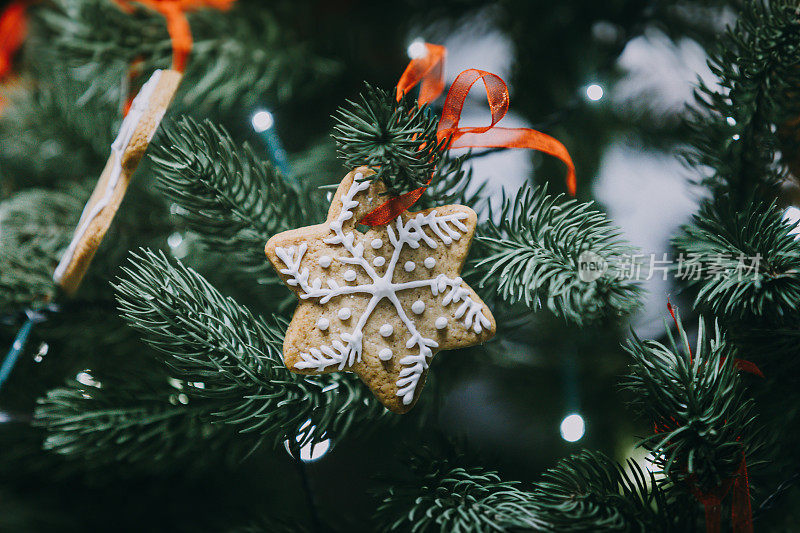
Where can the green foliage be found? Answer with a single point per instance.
(733, 126)
(590, 492)
(697, 402)
(532, 256)
(744, 263)
(438, 494)
(232, 199)
(121, 423)
(451, 183)
(240, 57)
(208, 338)
(396, 139)
(36, 227)
(49, 136)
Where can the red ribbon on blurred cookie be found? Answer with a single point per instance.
(428, 69)
(13, 28)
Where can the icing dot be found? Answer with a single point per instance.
(441, 322)
(385, 354)
(409, 266)
(418, 307)
(344, 313)
(350, 275)
(376, 243)
(378, 261)
(386, 330)
(430, 262)
(325, 261)
(323, 323)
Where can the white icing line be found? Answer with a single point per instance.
(129, 124)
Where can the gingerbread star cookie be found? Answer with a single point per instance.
(135, 134)
(382, 302)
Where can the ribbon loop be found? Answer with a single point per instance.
(496, 94)
(428, 69)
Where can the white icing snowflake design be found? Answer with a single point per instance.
(413, 233)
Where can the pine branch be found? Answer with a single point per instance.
(440, 495)
(397, 139)
(125, 425)
(744, 263)
(533, 255)
(35, 228)
(590, 492)
(733, 127)
(697, 402)
(240, 57)
(233, 200)
(49, 136)
(205, 337)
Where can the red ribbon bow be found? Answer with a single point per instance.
(429, 69)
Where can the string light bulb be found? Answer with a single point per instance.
(594, 92)
(263, 120)
(573, 427)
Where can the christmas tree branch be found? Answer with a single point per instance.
(205, 337)
(439, 494)
(396, 138)
(36, 227)
(584, 492)
(733, 127)
(745, 263)
(590, 492)
(240, 57)
(121, 423)
(696, 401)
(533, 254)
(233, 200)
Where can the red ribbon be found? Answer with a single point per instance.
(180, 33)
(13, 28)
(429, 69)
(741, 510)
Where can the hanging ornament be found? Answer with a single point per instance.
(379, 303)
(138, 128)
(142, 118)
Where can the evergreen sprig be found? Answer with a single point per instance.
(451, 183)
(745, 263)
(590, 492)
(208, 338)
(396, 138)
(439, 494)
(122, 424)
(533, 255)
(240, 57)
(733, 124)
(227, 195)
(696, 400)
(36, 226)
